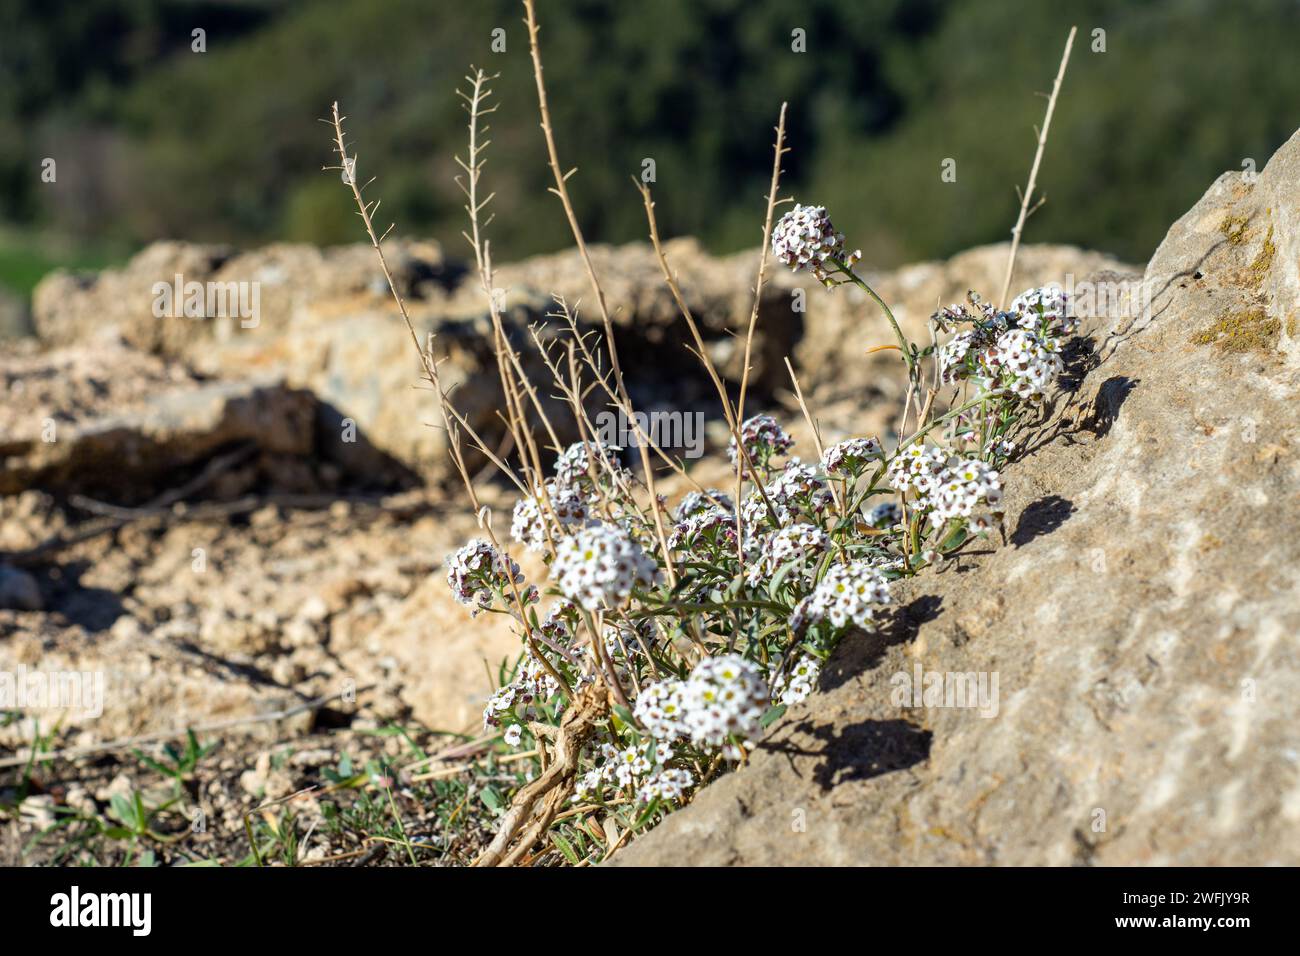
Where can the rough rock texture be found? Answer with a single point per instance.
(326, 323)
(111, 421)
(1141, 615)
(194, 620)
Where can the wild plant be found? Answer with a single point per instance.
(667, 636)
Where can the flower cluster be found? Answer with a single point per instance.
(966, 485)
(1017, 349)
(659, 709)
(695, 502)
(532, 685)
(1049, 305)
(528, 522)
(724, 699)
(918, 468)
(849, 459)
(478, 574)
(600, 565)
(798, 489)
(764, 439)
(798, 684)
(714, 527)
(845, 597)
(670, 784)
(804, 236)
(1024, 362)
(801, 542)
(948, 487)
(575, 466)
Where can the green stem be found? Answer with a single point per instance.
(904, 346)
(947, 416)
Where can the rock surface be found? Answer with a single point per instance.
(109, 420)
(1141, 616)
(325, 323)
(194, 620)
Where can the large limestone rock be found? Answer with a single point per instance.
(1141, 616)
(112, 421)
(325, 323)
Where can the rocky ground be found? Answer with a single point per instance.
(243, 529)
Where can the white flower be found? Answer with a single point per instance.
(668, 784)
(799, 683)
(764, 438)
(497, 706)
(796, 542)
(696, 502)
(1047, 304)
(966, 484)
(659, 709)
(1027, 362)
(725, 696)
(512, 736)
(714, 525)
(844, 597)
(573, 469)
(589, 786)
(599, 566)
(849, 458)
(527, 524)
(798, 489)
(917, 467)
(804, 236)
(477, 573)
(628, 766)
(952, 356)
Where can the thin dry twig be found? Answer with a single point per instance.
(562, 192)
(348, 165)
(1033, 170)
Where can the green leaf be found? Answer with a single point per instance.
(782, 573)
(773, 714)
(646, 814)
(122, 809)
(154, 765)
(566, 848)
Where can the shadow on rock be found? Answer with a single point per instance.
(1041, 518)
(860, 751)
(863, 651)
(1105, 408)
(94, 609)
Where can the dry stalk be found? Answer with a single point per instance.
(778, 152)
(561, 191)
(347, 165)
(555, 784)
(1033, 170)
